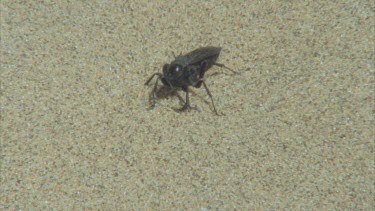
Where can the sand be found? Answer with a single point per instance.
(296, 129)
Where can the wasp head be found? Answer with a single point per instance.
(173, 70)
(172, 74)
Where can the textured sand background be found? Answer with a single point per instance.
(298, 130)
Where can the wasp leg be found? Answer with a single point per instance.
(209, 94)
(154, 95)
(203, 69)
(186, 106)
(222, 65)
(153, 75)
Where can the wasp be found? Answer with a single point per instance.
(188, 70)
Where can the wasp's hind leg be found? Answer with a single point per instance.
(222, 65)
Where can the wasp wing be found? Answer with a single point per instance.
(208, 54)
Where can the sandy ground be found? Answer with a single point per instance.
(297, 130)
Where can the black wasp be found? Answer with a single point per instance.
(188, 70)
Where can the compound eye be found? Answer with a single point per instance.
(176, 70)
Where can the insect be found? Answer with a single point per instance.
(188, 70)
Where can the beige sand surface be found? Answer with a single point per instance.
(298, 130)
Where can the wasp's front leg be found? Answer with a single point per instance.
(154, 90)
